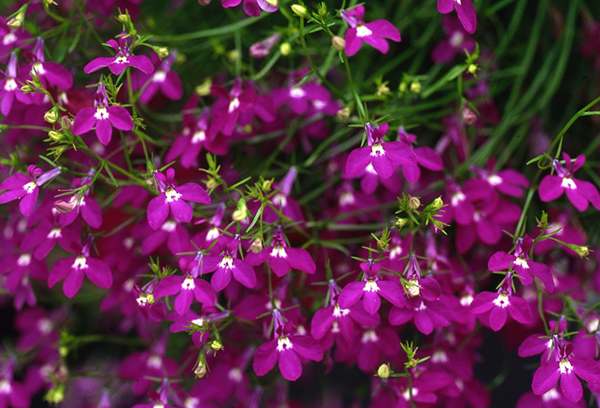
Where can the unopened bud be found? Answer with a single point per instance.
(414, 203)
(216, 345)
(26, 89)
(241, 211)
(48, 3)
(64, 207)
(124, 18)
(266, 185)
(233, 55)
(383, 372)
(383, 90)
(299, 10)
(401, 222)
(16, 21)
(436, 204)
(285, 49)
(468, 116)
(63, 351)
(55, 136)
(163, 52)
(66, 123)
(51, 116)
(415, 87)
(344, 113)
(200, 370)
(473, 68)
(338, 43)
(256, 246)
(582, 251)
(56, 394)
(272, 3)
(204, 88)
(403, 87)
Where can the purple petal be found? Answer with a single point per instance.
(357, 162)
(91, 213)
(120, 118)
(181, 210)
(371, 302)
(220, 279)
(483, 302)
(519, 310)
(301, 260)
(423, 322)
(84, 121)
(204, 293)
(58, 75)
(97, 64)
(467, 16)
(445, 6)
(545, 378)
(571, 387)
(157, 212)
(99, 273)
(392, 292)
(351, 294)
(321, 322)
(183, 301)
(168, 286)
(307, 347)
(265, 358)
(498, 318)
(385, 29)
(104, 131)
(500, 261)
(193, 192)
(60, 269)
(289, 365)
(353, 42)
(73, 282)
(551, 188)
(142, 63)
(244, 273)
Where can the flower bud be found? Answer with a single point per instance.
(338, 43)
(344, 113)
(415, 87)
(200, 370)
(216, 345)
(66, 123)
(266, 185)
(204, 88)
(26, 89)
(64, 207)
(51, 116)
(233, 55)
(582, 251)
(414, 203)
(468, 116)
(124, 18)
(163, 52)
(16, 21)
(473, 68)
(256, 246)
(272, 3)
(402, 88)
(436, 204)
(401, 222)
(383, 371)
(56, 394)
(63, 351)
(299, 10)
(241, 211)
(55, 136)
(285, 49)
(383, 89)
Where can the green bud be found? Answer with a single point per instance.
(204, 88)
(56, 394)
(272, 3)
(285, 49)
(163, 52)
(56, 136)
(241, 211)
(299, 10)
(401, 222)
(338, 43)
(124, 18)
(415, 87)
(217, 345)
(51, 116)
(383, 371)
(436, 204)
(473, 68)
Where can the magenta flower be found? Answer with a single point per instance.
(384, 158)
(374, 33)
(580, 193)
(458, 41)
(287, 350)
(25, 188)
(50, 72)
(566, 367)
(370, 290)
(464, 9)
(228, 108)
(171, 199)
(228, 264)
(282, 258)
(253, 7)
(121, 60)
(103, 117)
(78, 204)
(497, 306)
(520, 263)
(10, 89)
(73, 269)
(187, 288)
(163, 80)
(507, 181)
(12, 393)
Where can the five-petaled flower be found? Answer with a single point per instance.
(374, 33)
(25, 188)
(121, 60)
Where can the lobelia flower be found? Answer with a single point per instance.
(80, 203)
(172, 233)
(173, 199)
(228, 264)
(566, 367)
(497, 306)
(73, 269)
(121, 60)
(253, 7)
(537, 343)
(26, 188)
(282, 200)
(383, 157)
(458, 41)
(189, 287)
(229, 106)
(12, 393)
(371, 347)
(370, 289)
(520, 263)
(282, 258)
(17, 269)
(580, 193)
(374, 33)
(103, 117)
(42, 239)
(163, 80)
(285, 349)
(465, 11)
(507, 181)
(49, 72)
(10, 89)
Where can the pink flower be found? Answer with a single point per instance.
(458, 41)
(580, 193)
(121, 60)
(187, 288)
(25, 188)
(226, 265)
(464, 9)
(374, 33)
(252, 7)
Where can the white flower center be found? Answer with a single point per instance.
(406, 393)
(169, 226)
(188, 284)
(122, 60)
(278, 252)
(30, 187)
(38, 69)
(551, 395)
(154, 361)
(439, 356)
(568, 182)
(45, 326)
(172, 195)
(347, 198)
(199, 321)
(466, 300)
(522, 262)
(191, 402)
(54, 233)
(371, 286)
(339, 312)
(5, 387)
(234, 104)
(318, 104)
(101, 113)
(421, 306)
(457, 198)
(280, 200)
(501, 301)
(369, 337)
(283, 343)
(370, 169)
(199, 136)
(363, 31)
(10, 85)
(592, 325)
(212, 234)
(9, 39)
(413, 288)
(457, 39)
(297, 93)
(235, 375)
(160, 76)
(494, 179)
(128, 285)
(565, 366)
(24, 260)
(377, 150)
(80, 263)
(226, 262)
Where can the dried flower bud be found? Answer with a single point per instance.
(338, 43)
(414, 203)
(64, 207)
(299, 10)
(200, 370)
(383, 371)
(285, 49)
(51, 116)
(468, 116)
(66, 123)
